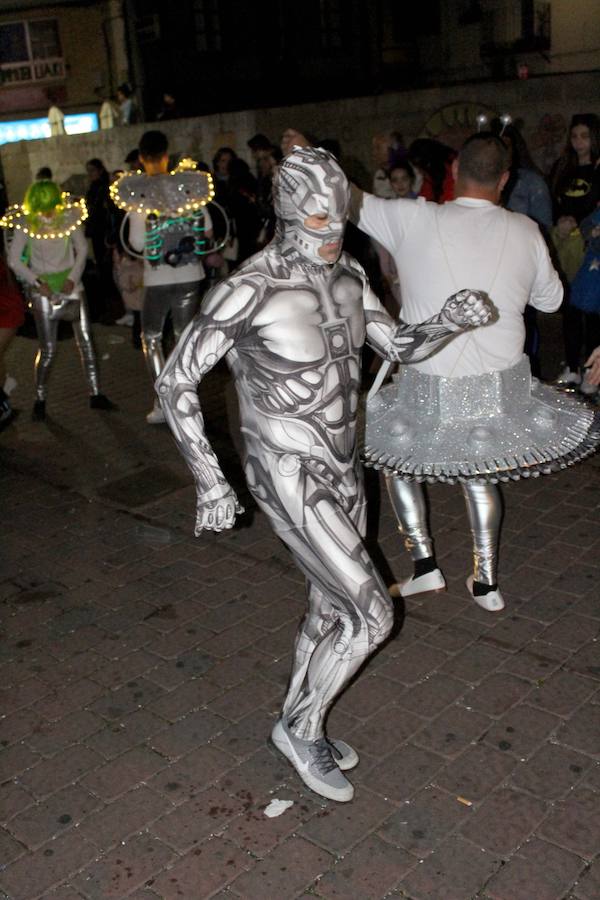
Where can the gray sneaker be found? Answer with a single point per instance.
(314, 763)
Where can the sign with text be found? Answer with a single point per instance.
(39, 70)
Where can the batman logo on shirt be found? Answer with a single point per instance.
(579, 187)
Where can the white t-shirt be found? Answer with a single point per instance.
(163, 273)
(467, 243)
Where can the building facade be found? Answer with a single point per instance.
(71, 54)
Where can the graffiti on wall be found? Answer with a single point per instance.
(454, 123)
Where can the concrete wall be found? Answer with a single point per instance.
(544, 105)
(575, 35)
(67, 154)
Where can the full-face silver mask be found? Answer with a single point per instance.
(310, 182)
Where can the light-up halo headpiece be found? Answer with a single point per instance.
(70, 215)
(178, 193)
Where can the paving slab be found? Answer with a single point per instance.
(141, 669)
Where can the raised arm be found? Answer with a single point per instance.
(205, 341)
(356, 201)
(400, 342)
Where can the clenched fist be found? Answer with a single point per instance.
(217, 515)
(467, 309)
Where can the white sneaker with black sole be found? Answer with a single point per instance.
(430, 583)
(314, 763)
(492, 601)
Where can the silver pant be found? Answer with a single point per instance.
(47, 315)
(484, 508)
(181, 300)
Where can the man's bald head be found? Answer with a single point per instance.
(483, 159)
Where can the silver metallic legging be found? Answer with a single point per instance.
(47, 316)
(181, 300)
(484, 508)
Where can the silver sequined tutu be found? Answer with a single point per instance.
(494, 427)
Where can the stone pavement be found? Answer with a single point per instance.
(141, 670)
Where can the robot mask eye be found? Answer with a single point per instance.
(315, 205)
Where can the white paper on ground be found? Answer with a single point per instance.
(277, 807)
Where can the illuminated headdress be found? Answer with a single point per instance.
(43, 197)
(178, 193)
(483, 122)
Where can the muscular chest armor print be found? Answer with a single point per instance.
(300, 363)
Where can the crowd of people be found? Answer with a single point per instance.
(564, 203)
(115, 278)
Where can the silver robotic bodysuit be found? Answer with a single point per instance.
(291, 328)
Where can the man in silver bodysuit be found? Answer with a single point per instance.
(291, 323)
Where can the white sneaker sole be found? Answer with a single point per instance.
(348, 759)
(280, 741)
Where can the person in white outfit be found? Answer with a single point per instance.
(436, 248)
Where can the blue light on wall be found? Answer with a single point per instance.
(33, 129)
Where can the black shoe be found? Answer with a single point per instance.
(38, 413)
(101, 401)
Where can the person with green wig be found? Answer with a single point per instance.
(48, 253)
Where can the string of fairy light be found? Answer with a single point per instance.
(15, 218)
(131, 204)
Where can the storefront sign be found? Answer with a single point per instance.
(22, 73)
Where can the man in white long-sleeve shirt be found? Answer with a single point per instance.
(436, 249)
